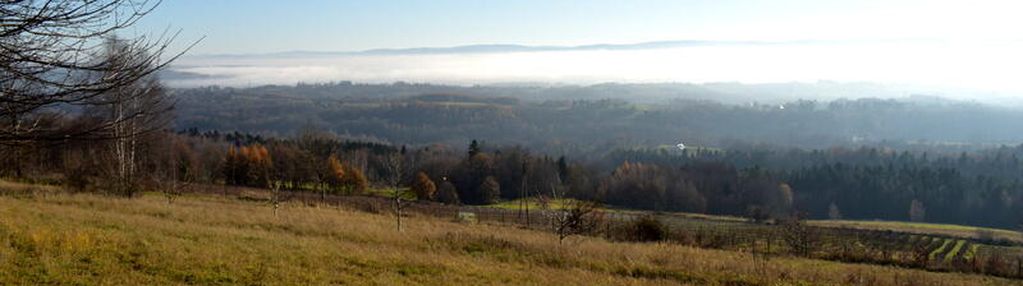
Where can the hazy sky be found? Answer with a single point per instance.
(261, 26)
(970, 44)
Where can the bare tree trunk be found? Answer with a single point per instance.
(120, 143)
(396, 170)
(275, 197)
(397, 207)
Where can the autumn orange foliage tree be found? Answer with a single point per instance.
(342, 178)
(423, 187)
(354, 181)
(247, 166)
(335, 173)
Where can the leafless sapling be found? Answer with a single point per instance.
(572, 217)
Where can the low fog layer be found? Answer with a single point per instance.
(987, 66)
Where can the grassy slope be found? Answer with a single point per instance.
(84, 239)
(924, 228)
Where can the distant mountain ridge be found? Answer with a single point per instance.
(504, 48)
(507, 48)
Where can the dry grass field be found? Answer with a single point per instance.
(95, 240)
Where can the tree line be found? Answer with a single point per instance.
(758, 183)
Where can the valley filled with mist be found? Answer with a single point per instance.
(582, 119)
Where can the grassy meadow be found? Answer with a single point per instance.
(81, 239)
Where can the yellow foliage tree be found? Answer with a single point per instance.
(353, 180)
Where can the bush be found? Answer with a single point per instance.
(647, 228)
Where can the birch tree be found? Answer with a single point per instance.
(56, 52)
(132, 112)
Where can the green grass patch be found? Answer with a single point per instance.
(971, 251)
(955, 250)
(939, 250)
(532, 204)
(389, 192)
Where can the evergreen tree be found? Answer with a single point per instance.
(474, 148)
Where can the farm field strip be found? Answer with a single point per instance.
(955, 251)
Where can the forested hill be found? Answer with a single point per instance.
(601, 117)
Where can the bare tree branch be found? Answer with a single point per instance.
(55, 54)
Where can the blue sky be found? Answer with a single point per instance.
(262, 26)
(972, 44)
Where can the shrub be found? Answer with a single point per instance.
(447, 194)
(799, 237)
(647, 228)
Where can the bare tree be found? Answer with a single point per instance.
(524, 193)
(131, 111)
(573, 217)
(175, 185)
(175, 171)
(275, 196)
(799, 236)
(268, 179)
(52, 53)
(397, 169)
